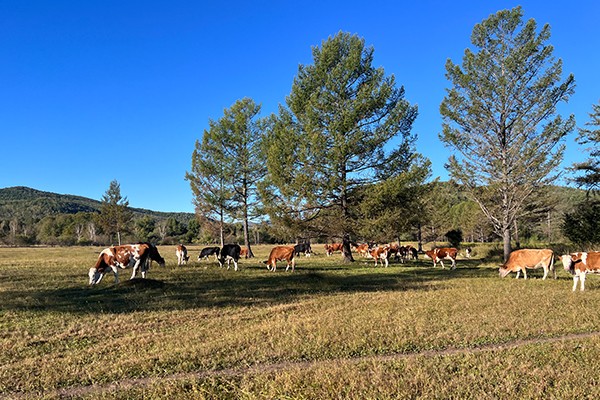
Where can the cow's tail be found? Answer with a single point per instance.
(551, 266)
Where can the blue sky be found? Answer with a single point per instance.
(92, 91)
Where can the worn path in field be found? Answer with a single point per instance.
(79, 391)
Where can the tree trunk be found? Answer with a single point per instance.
(517, 241)
(221, 229)
(419, 239)
(246, 229)
(506, 240)
(247, 238)
(347, 253)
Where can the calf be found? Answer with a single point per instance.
(182, 255)
(579, 264)
(230, 252)
(331, 248)
(208, 251)
(519, 260)
(380, 253)
(280, 253)
(441, 253)
(302, 248)
(244, 252)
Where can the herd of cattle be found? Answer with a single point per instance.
(139, 257)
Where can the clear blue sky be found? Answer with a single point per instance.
(96, 90)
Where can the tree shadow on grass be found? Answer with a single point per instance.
(196, 288)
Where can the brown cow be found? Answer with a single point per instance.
(519, 260)
(362, 249)
(280, 253)
(244, 252)
(441, 253)
(182, 255)
(129, 255)
(579, 264)
(330, 248)
(380, 253)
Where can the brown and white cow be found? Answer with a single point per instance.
(281, 253)
(182, 255)
(442, 253)
(130, 255)
(380, 253)
(519, 260)
(362, 249)
(333, 247)
(580, 264)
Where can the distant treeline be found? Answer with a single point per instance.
(32, 217)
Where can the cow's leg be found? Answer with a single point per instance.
(545, 272)
(518, 273)
(442, 262)
(575, 279)
(386, 262)
(235, 265)
(525, 272)
(453, 263)
(135, 268)
(115, 272)
(582, 280)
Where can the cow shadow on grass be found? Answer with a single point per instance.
(190, 288)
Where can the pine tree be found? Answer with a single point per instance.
(333, 137)
(500, 115)
(228, 165)
(115, 215)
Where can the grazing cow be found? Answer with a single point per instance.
(130, 255)
(230, 252)
(362, 249)
(441, 253)
(182, 255)
(244, 252)
(209, 251)
(281, 253)
(412, 252)
(579, 264)
(302, 248)
(380, 253)
(519, 260)
(468, 252)
(331, 248)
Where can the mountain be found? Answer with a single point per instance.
(32, 204)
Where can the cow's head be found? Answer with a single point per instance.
(94, 275)
(503, 271)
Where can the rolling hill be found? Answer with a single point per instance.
(32, 204)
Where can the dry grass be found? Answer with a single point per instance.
(329, 330)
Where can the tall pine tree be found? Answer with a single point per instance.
(500, 115)
(346, 124)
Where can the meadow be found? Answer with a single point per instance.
(326, 331)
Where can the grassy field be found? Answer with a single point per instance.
(327, 331)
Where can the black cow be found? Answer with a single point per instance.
(230, 252)
(302, 248)
(208, 251)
